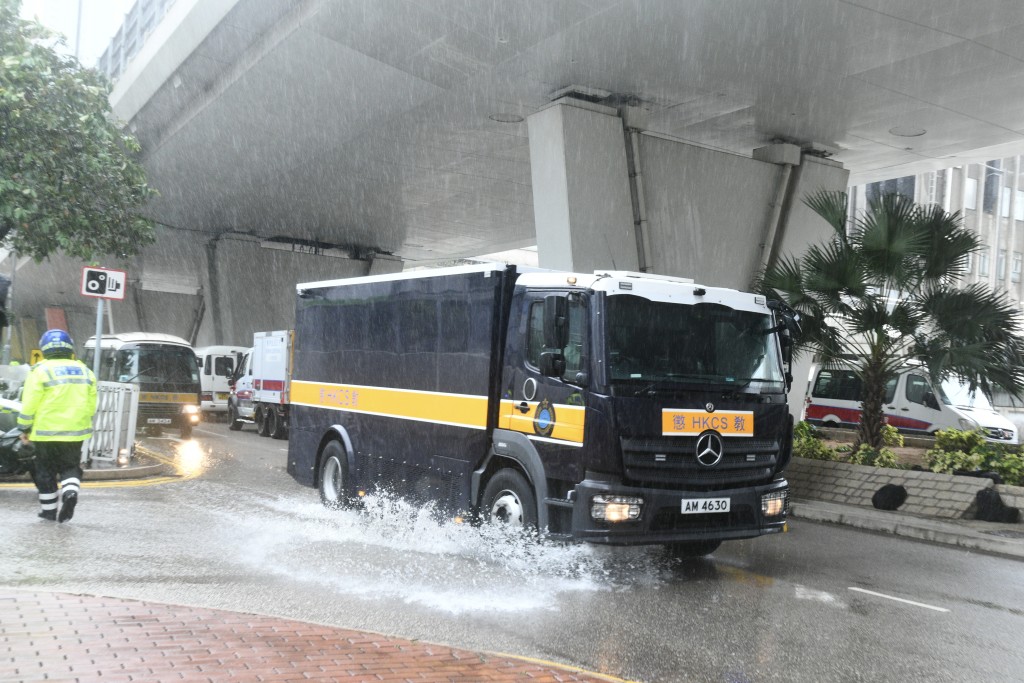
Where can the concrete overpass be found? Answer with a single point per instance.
(296, 141)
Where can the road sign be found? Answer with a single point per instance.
(36, 356)
(104, 283)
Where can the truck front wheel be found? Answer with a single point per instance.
(333, 473)
(693, 548)
(508, 499)
(234, 424)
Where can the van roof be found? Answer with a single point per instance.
(220, 348)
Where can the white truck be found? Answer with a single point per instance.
(216, 366)
(259, 388)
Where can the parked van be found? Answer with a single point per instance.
(164, 367)
(911, 405)
(216, 365)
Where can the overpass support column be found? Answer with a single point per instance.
(581, 196)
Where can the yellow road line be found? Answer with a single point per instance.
(564, 667)
(180, 475)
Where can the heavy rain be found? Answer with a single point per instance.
(621, 340)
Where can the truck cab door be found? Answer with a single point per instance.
(549, 409)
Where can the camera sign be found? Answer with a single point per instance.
(103, 282)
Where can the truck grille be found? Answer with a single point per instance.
(673, 462)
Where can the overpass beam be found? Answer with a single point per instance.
(581, 195)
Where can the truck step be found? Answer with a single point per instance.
(558, 502)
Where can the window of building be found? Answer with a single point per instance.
(1017, 265)
(983, 261)
(1004, 203)
(993, 178)
(971, 194)
(1001, 265)
(969, 264)
(1018, 209)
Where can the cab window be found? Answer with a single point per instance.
(917, 389)
(575, 351)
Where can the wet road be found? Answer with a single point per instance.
(820, 603)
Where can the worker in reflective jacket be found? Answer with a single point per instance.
(57, 404)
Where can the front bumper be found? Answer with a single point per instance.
(661, 519)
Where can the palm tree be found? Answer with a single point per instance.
(883, 291)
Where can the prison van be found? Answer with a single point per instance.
(165, 368)
(216, 366)
(614, 407)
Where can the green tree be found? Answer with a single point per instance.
(883, 291)
(68, 177)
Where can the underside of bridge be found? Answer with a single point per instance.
(291, 141)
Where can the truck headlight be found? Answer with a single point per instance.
(774, 504)
(616, 508)
(191, 412)
(967, 424)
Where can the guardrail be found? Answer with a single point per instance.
(113, 436)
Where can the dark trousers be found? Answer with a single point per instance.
(56, 461)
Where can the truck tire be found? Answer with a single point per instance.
(693, 548)
(509, 499)
(275, 424)
(261, 421)
(333, 478)
(234, 424)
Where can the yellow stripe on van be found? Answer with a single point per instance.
(567, 425)
(165, 397)
(460, 410)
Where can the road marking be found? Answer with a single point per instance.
(892, 597)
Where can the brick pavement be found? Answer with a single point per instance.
(64, 637)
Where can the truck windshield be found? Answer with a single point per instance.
(656, 346)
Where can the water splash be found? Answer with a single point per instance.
(391, 548)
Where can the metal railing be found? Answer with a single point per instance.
(113, 437)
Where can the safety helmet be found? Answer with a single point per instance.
(56, 342)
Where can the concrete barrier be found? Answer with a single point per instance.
(944, 496)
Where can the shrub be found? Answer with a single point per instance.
(891, 436)
(866, 455)
(958, 450)
(807, 444)
(952, 440)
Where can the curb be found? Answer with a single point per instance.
(918, 528)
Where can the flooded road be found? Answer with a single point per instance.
(238, 533)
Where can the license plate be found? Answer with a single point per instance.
(222, 395)
(698, 506)
(158, 421)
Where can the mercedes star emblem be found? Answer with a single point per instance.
(709, 449)
(710, 407)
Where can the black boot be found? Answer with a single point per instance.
(48, 514)
(67, 505)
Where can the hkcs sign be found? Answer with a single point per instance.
(104, 283)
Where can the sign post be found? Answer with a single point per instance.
(102, 283)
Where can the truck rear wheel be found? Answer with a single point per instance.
(260, 417)
(508, 499)
(333, 476)
(275, 424)
(693, 548)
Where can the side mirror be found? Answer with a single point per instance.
(556, 321)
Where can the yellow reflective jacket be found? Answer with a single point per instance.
(58, 401)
